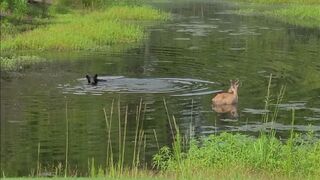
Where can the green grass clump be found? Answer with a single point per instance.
(18, 62)
(80, 35)
(298, 15)
(266, 153)
(91, 31)
(136, 13)
(297, 12)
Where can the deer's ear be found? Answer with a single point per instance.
(95, 76)
(88, 78)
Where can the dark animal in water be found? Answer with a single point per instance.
(94, 80)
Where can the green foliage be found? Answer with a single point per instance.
(296, 156)
(161, 160)
(20, 8)
(4, 6)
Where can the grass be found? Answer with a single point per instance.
(87, 30)
(297, 12)
(304, 15)
(15, 63)
(264, 155)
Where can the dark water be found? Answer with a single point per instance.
(183, 61)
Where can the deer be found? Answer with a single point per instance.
(227, 98)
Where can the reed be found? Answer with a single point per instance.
(155, 137)
(124, 139)
(119, 132)
(168, 117)
(38, 160)
(267, 101)
(67, 142)
(116, 169)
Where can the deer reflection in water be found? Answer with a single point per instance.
(226, 111)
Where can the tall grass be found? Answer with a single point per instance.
(96, 30)
(67, 143)
(118, 168)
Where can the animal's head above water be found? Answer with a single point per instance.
(233, 86)
(92, 80)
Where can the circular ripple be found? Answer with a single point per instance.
(119, 84)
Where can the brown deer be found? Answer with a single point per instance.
(230, 97)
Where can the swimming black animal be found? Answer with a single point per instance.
(94, 80)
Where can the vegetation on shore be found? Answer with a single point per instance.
(247, 156)
(70, 25)
(226, 156)
(297, 12)
(15, 63)
(94, 30)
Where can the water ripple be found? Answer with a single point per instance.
(120, 84)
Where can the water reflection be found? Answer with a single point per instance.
(226, 111)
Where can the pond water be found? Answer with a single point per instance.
(182, 62)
